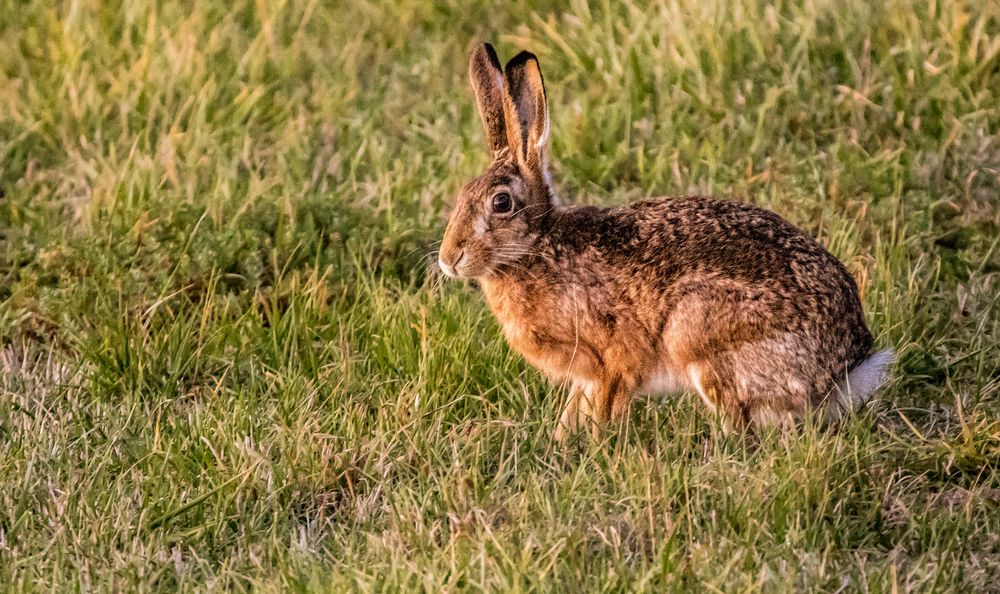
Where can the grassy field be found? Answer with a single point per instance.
(225, 361)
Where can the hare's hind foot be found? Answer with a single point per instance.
(740, 413)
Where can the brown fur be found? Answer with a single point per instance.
(717, 296)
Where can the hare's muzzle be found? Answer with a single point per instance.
(449, 262)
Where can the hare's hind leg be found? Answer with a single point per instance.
(718, 389)
(750, 396)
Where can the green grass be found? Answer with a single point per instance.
(224, 362)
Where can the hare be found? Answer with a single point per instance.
(693, 293)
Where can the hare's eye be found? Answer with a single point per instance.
(502, 203)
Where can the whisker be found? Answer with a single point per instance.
(432, 244)
(434, 273)
(510, 252)
(515, 266)
(538, 216)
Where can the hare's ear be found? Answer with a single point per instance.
(525, 110)
(487, 84)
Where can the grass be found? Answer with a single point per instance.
(225, 364)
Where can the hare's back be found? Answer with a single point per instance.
(737, 241)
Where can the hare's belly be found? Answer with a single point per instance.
(664, 381)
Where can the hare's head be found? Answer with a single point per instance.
(499, 215)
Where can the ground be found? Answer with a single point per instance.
(225, 361)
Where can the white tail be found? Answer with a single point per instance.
(861, 383)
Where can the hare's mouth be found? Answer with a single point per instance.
(451, 269)
(457, 268)
(466, 265)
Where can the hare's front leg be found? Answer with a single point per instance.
(593, 405)
(569, 419)
(606, 400)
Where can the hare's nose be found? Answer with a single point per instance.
(449, 269)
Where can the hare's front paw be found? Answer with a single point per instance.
(569, 419)
(591, 406)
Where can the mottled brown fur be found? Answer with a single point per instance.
(718, 296)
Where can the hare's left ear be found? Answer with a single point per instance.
(525, 111)
(487, 84)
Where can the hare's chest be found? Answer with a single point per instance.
(522, 321)
(535, 325)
